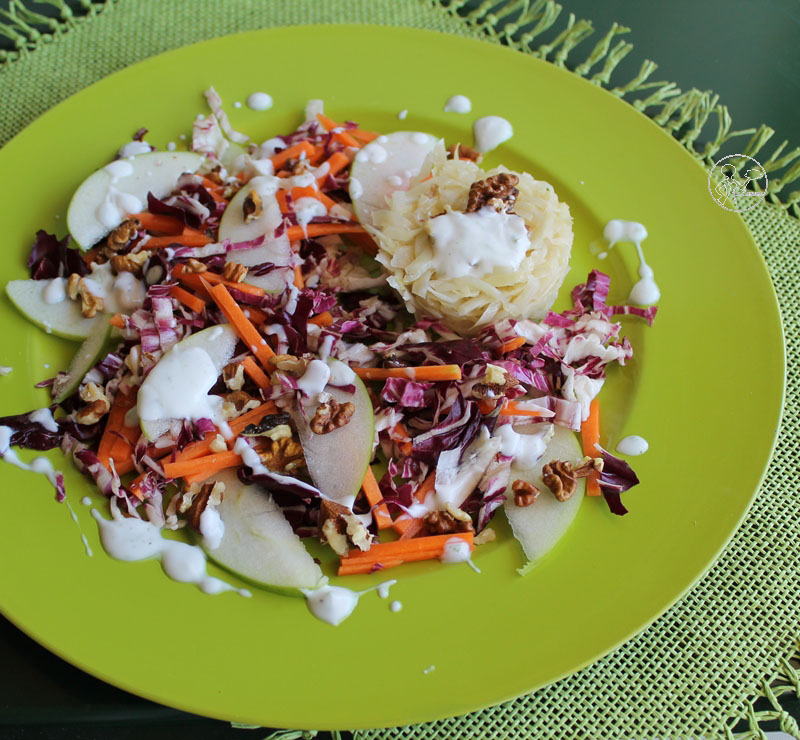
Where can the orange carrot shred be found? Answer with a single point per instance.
(511, 408)
(322, 319)
(255, 372)
(427, 372)
(159, 223)
(298, 277)
(292, 152)
(117, 320)
(511, 345)
(373, 493)
(187, 299)
(296, 233)
(590, 436)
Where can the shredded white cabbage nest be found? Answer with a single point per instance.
(468, 303)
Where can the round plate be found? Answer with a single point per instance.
(705, 389)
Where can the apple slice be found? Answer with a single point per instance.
(62, 318)
(276, 250)
(385, 165)
(84, 360)
(104, 198)
(177, 387)
(258, 543)
(541, 525)
(337, 461)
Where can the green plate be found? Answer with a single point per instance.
(705, 389)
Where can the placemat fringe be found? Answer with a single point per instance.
(518, 23)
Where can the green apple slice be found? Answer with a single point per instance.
(274, 249)
(337, 461)
(541, 525)
(258, 543)
(177, 387)
(104, 199)
(84, 360)
(63, 318)
(385, 165)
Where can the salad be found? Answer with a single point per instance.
(336, 336)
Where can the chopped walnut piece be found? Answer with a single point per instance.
(289, 363)
(97, 404)
(90, 302)
(457, 514)
(218, 444)
(233, 375)
(340, 528)
(443, 522)
(194, 265)
(241, 401)
(524, 493)
(331, 415)
(252, 208)
(234, 272)
(487, 535)
(210, 494)
(559, 477)
(123, 234)
(494, 384)
(283, 455)
(133, 263)
(73, 283)
(498, 192)
(464, 152)
(587, 466)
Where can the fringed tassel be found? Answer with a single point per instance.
(685, 115)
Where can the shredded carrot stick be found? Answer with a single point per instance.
(296, 233)
(189, 238)
(114, 423)
(427, 372)
(193, 280)
(117, 320)
(408, 550)
(242, 325)
(412, 529)
(365, 136)
(344, 138)
(336, 162)
(187, 299)
(255, 372)
(328, 123)
(590, 436)
(213, 190)
(511, 408)
(309, 192)
(322, 319)
(373, 493)
(292, 152)
(404, 443)
(206, 465)
(280, 196)
(402, 523)
(159, 223)
(298, 277)
(511, 345)
(486, 406)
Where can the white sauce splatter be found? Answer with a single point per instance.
(403, 114)
(645, 292)
(5, 370)
(54, 292)
(633, 445)
(458, 104)
(456, 550)
(429, 669)
(132, 148)
(172, 146)
(132, 540)
(259, 101)
(490, 132)
(395, 606)
(334, 604)
(74, 517)
(45, 418)
(315, 378)
(39, 465)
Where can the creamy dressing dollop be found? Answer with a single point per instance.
(475, 244)
(490, 132)
(645, 292)
(458, 104)
(633, 445)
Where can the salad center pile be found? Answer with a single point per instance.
(335, 334)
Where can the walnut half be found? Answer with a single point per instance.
(331, 415)
(559, 477)
(524, 493)
(498, 192)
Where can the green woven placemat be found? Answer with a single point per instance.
(697, 670)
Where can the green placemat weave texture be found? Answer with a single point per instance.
(696, 671)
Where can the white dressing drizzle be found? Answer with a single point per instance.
(54, 291)
(5, 369)
(633, 445)
(315, 378)
(490, 132)
(455, 550)
(307, 209)
(132, 148)
(458, 104)
(86, 501)
(259, 101)
(334, 604)
(74, 518)
(395, 606)
(475, 244)
(45, 418)
(341, 374)
(132, 540)
(429, 669)
(39, 465)
(645, 292)
(403, 114)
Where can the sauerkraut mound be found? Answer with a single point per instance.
(449, 286)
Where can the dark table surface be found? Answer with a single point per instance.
(747, 52)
